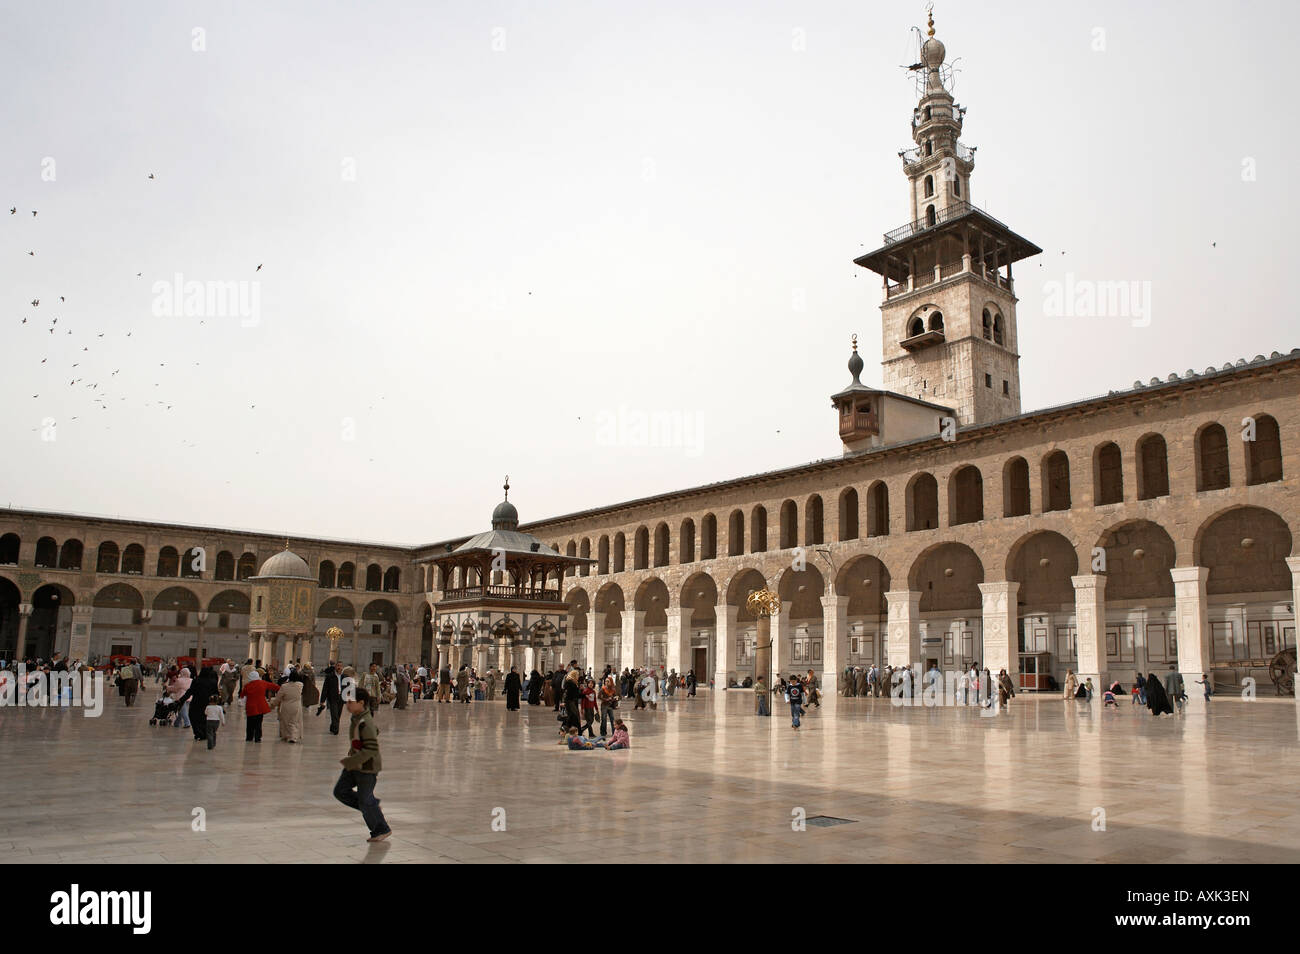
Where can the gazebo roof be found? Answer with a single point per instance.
(506, 537)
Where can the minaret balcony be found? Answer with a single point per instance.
(942, 273)
(913, 156)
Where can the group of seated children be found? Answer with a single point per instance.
(619, 740)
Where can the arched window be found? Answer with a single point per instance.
(848, 514)
(620, 552)
(916, 327)
(192, 563)
(641, 549)
(169, 562)
(709, 538)
(736, 533)
(929, 186)
(327, 574)
(374, 578)
(1015, 488)
(929, 215)
(133, 560)
(965, 496)
(1212, 458)
(956, 186)
(107, 559)
(988, 326)
(1056, 482)
(347, 575)
(1109, 475)
(758, 530)
(584, 551)
(9, 546)
(392, 580)
(47, 552)
(1264, 453)
(812, 522)
(661, 545)
(1153, 468)
(878, 510)
(70, 555)
(929, 147)
(247, 566)
(571, 549)
(789, 525)
(686, 542)
(602, 555)
(922, 503)
(997, 329)
(936, 321)
(225, 568)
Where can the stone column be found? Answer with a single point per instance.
(595, 640)
(202, 617)
(1191, 610)
(904, 627)
(79, 636)
(679, 638)
(724, 655)
(20, 648)
(1001, 649)
(781, 635)
(146, 617)
(835, 644)
(356, 645)
(1090, 621)
(633, 638)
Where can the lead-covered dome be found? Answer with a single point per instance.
(286, 563)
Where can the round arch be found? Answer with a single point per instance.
(1139, 556)
(947, 575)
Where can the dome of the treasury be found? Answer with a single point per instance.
(286, 563)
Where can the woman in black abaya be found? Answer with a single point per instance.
(1157, 701)
(513, 689)
(535, 688)
(201, 690)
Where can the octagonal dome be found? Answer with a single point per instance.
(286, 563)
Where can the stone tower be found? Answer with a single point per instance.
(948, 319)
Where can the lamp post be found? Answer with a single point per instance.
(765, 604)
(334, 634)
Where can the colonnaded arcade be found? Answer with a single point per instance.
(1140, 530)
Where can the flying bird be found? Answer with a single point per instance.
(33, 213)
(13, 210)
(24, 321)
(151, 175)
(31, 253)
(61, 298)
(258, 269)
(35, 302)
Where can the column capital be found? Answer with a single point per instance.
(1009, 587)
(1293, 563)
(146, 616)
(835, 602)
(1189, 576)
(899, 597)
(25, 609)
(201, 616)
(1090, 581)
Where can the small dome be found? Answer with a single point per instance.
(286, 563)
(505, 516)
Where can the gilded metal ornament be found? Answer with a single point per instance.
(764, 602)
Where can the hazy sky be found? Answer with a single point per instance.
(494, 234)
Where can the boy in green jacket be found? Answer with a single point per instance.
(356, 785)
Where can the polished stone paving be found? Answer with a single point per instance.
(705, 781)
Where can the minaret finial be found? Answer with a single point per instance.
(929, 10)
(855, 342)
(286, 543)
(507, 487)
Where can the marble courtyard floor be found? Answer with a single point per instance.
(705, 781)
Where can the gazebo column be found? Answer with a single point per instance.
(634, 638)
(272, 650)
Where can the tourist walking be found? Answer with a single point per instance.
(228, 682)
(129, 680)
(1205, 681)
(214, 716)
(608, 702)
(572, 690)
(310, 691)
(760, 697)
(356, 785)
(201, 689)
(255, 706)
(1174, 688)
(513, 689)
(535, 688)
(402, 685)
(372, 683)
(331, 697)
(177, 685)
(1157, 701)
(794, 692)
(1071, 685)
(288, 703)
(444, 684)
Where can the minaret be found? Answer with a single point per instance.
(948, 319)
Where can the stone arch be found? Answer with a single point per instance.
(1213, 471)
(392, 580)
(347, 575)
(169, 562)
(336, 607)
(47, 552)
(1152, 467)
(922, 502)
(178, 599)
(43, 624)
(118, 596)
(848, 507)
(10, 545)
(108, 557)
(878, 509)
(246, 567)
(620, 552)
(1107, 474)
(133, 560)
(699, 594)
(641, 549)
(374, 578)
(947, 575)
(579, 607)
(789, 533)
(709, 537)
(610, 602)
(10, 599)
(385, 610)
(328, 574)
(230, 601)
(813, 522)
(192, 563)
(803, 590)
(1042, 563)
(742, 583)
(584, 551)
(864, 580)
(1139, 556)
(602, 555)
(965, 496)
(1245, 549)
(652, 599)
(571, 550)
(224, 568)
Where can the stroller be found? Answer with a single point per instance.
(162, 711)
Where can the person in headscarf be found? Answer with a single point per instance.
(572, 698)
(513, 688)
(534, 688)
(201, 689)
(288, 701)
(1157, 701)
(1006, 688)
(229, 681)
(177, 686)
(1071, 684)
(402, 685)
(310, 692)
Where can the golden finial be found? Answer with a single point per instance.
(286, 543)
(929, 9)
(855, 342)
(507, 487)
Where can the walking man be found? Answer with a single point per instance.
(331, 695)
(356, 785)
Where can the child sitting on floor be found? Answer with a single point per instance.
(577, 742)
(619, 739)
